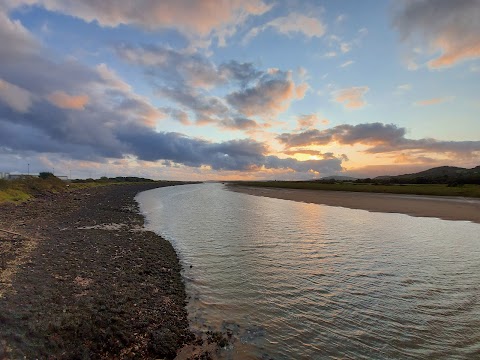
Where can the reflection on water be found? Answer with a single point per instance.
(300, 281)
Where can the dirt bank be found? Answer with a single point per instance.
(84, 280)
(443, 207)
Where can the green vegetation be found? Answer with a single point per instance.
(20, 190)
(23, 189)
(471, 190)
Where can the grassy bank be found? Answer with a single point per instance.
(414, 189)
(21, 190)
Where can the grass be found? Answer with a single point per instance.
(12, 195)
(413, 189)
(25, 189)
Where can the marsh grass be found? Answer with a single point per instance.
(412, 189)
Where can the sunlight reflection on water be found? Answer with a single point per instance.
(303, 281)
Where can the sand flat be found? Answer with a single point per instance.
(443, 207)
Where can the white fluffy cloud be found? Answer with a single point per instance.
(293, 23)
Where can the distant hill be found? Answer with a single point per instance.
(442, 174)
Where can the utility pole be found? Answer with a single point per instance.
(28, 171)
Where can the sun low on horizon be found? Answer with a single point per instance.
(198, 90)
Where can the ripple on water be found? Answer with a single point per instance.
(305, 281)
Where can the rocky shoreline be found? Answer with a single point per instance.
(81, 278)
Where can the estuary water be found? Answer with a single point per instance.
(294, 280)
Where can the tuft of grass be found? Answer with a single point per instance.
(413, 189)
(12, 195)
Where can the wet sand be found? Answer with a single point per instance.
(443, 207)
(81, 278)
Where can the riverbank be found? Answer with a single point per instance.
(447, 208)
(81, 278)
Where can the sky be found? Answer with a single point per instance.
(238, 89)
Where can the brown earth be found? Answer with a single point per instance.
(83, 280)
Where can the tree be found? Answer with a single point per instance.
(45, 175)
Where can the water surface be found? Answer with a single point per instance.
(304, 281)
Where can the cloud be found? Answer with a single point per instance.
(173, 66)
(347, 63)
(351, 98)
(13, 32)
(448, 30)
(317, 153)
(246, 155)
(381, 138)
(271, 95)
(402, 89)
(330, 54)
(293, 23)
(370, 134)
(65, 101)
(17, 98)
(433, 101)
(308, 121)
(204, 106)
(188, 81)
(345, 47)
(239, 123)
(195, 19)
(119, 124)
(178, 115)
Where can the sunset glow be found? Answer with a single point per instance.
(233, 89)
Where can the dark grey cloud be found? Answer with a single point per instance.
(380, 137)
(229, 155)
(271, 94)
(239, 123)
(185, 79)
(202, 105)
(345, 134)
(451, 28)
(242, 72)
(178, 68)
(177, 115)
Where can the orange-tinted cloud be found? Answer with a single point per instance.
(64, 101)
(309, 121)
(451, 28)
(351, 98)
(194, 18)
(15, 97)
(432, 101)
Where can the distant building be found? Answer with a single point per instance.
(4, 175)
(19, 176)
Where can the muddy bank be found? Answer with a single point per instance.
(82, 279)
(443, 207)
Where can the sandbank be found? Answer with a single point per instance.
(443, 207)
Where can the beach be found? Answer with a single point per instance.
(81, 278)
(443, 207)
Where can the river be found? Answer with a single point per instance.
(294, 280)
